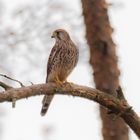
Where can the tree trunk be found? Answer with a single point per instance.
(104, 61)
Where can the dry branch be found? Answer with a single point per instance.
(116, 105)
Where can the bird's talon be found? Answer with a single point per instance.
(58, 82)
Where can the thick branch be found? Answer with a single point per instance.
(103, 60)
(116, 105)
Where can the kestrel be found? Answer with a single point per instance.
(62, 60)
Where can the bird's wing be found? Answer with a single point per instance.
(54, 52)
(52, 58)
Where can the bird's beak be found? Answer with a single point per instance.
(53, 35)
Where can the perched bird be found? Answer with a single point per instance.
(62, 60)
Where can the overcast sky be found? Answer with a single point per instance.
(75, 118)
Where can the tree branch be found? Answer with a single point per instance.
(5, 86)
(116, 105)
(3, 75)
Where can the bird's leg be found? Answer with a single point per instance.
(58, 82)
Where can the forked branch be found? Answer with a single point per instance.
(118, 106)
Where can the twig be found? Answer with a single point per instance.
(127, 110)
(31, 83)
(13, 102)
(120, 94)
(5, 86)
(3, 75)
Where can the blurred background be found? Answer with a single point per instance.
(25, 44)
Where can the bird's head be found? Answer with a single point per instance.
(60, 34)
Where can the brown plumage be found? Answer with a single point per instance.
(62, 60)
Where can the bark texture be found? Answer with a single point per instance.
(118, 106)
(104, 62)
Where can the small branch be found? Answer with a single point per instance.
(116, 105)
(120, 94)
(5, 86)
(13, 102)
(31, 83)
(12, 79)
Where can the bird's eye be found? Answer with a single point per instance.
(57, 33)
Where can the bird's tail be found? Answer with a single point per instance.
(46, 103)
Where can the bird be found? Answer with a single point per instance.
(62, 60)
